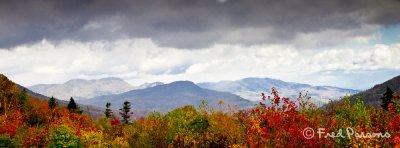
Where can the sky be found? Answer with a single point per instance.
(345, 43)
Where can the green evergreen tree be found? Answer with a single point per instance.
(125, 112)
(73, 107)
(108, 111)
(52, 102)
(387, 98)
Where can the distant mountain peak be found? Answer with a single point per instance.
(255, 78)
(75, 81)
(250, 88)
(93, 80)
(168, 96)
(184, 84)
(147, 85)
(83, 89)
(111, 79)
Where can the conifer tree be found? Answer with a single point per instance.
(125, 112)
(73, 107)
(108, 111)
(52, 102)
(387, 98)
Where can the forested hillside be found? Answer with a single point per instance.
(372, 95)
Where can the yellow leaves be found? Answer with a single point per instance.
(363, 142)
(120, 142)
(220, 102)
(103, 124)
(92, 139)
(8, 95)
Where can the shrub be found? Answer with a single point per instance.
(62, 136)
(5, 141)
(199, 124)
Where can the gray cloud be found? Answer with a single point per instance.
(190, 23)
(141, 60)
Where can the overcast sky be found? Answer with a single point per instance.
(345, 43)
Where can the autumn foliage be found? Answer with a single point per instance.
(274, 122)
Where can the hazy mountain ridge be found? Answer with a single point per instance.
(371, 96)
(83, 89)
(169, 96)
(248, 88)
(251, 88)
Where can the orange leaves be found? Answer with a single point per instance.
(10, 124)
(396, 140)
(276, 121)
(29, 125)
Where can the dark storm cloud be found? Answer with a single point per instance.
(186, 23)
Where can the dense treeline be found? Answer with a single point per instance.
(275, 122)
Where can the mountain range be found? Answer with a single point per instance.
(248, 88)
(160, 96)
(251, 88)
(83, 89)
(169, 96)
